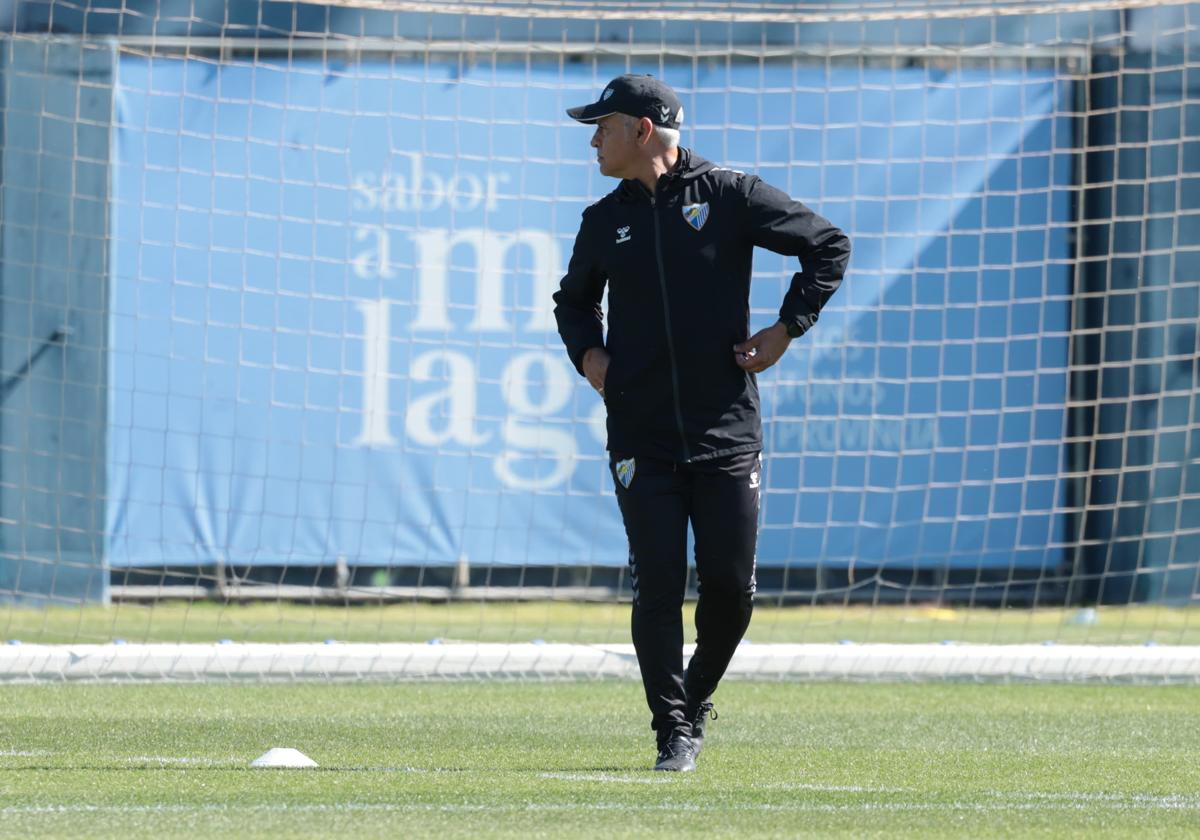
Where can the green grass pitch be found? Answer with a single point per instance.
(585, 623)
(570, 759)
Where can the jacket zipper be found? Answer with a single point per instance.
(662, 284)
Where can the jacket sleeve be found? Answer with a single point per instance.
(775, 222)
(577, 301)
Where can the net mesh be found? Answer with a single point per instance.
(279, 362)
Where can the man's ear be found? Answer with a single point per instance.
(645, 130)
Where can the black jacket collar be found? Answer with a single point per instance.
(688, 167)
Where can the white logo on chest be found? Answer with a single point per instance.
(622, 234)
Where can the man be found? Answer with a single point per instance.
(673, 242)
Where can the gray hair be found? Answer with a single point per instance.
(669, 137)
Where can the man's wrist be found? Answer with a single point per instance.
(793, 329)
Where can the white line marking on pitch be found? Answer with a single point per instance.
(606, 777)
(166, 759)
(831, 788)
(341, 808)
(668, 778)
(1169, 800)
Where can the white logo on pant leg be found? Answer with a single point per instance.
(754, 482)
(625, 470)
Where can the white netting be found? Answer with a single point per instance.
(276, 319)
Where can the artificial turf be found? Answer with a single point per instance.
(570, 759)
(586, 623)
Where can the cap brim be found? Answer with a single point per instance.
(589, 113)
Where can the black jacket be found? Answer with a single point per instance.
(677, 265)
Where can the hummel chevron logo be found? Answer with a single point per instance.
(665, 112)
(622, 234)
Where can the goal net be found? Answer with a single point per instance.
(279, 363)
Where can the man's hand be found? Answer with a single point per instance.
(763, 349)
(595, 367)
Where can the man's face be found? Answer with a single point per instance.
(616, 146)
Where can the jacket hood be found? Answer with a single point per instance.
(690, 166)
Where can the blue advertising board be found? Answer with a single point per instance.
(332, 334)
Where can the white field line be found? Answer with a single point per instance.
(1014, 800)
(184, 760)
(453, 661)
(816, 788)
(659, 778)
(1170, 803)
(131, 759)
(229, 763)
(1021, 799)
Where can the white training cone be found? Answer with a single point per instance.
(283, 757)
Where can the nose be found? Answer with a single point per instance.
(596, 139)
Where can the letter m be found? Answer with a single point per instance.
(434, 249)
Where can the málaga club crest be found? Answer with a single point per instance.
(625, 470)
(695, 215)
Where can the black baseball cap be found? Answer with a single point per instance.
(635, 95)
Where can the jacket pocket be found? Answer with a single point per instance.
(611, 379)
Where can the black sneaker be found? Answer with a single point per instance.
(676, 754)
(703, 713)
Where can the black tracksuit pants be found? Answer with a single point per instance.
(720, 498)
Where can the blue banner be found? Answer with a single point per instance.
(332, 332)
